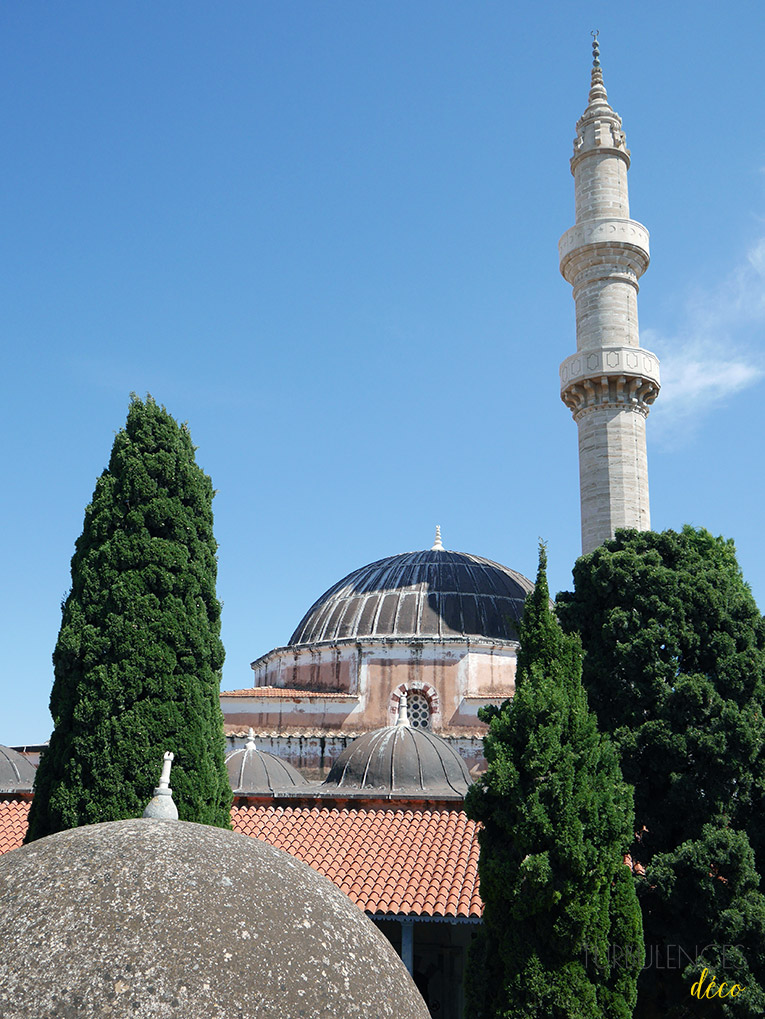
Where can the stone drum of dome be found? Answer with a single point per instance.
(431, 594)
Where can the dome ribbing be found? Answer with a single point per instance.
(251, 770)
(17, 773)
(433, 594)
(400, 759)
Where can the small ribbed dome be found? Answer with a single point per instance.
(419, 594)
(251, 770)
(400, 759)
(17, 773)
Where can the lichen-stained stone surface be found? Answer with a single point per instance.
(166, 918)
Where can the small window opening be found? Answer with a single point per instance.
(418, 709)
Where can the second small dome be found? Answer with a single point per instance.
(402, 760)
(251, 770)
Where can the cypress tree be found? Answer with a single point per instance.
(675, 669)
(138, 657)
(561, 937)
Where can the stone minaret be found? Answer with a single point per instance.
(610, 382)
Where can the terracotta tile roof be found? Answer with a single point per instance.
(495, 698)
(293, 732)
(460, 733)
(634, 865)
(415, 862)
(328, 732)
(290, 693)
(13, 823)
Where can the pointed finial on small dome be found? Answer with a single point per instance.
(403, 717)
(437, 546)
(164, 778)
(250, 744)
(161, 806)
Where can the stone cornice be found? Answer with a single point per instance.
(361, 644)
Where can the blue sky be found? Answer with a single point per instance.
(325, 235)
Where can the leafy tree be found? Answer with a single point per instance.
(562, 937)
(675, 669)
(138, 656)
(703, 910)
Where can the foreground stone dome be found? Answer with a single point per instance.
(147, 918)
(17, 773)
(402, 760)
(434, 593)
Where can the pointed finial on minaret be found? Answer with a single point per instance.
(161, 806)
(250, 744)
(598, 92)
(437, 545)
(403, 717)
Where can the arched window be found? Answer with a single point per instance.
(418, 710)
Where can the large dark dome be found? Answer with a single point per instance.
(436, 594)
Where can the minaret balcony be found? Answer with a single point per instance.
(584, 243)
(610, 376)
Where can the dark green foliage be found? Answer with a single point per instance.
(705, 897)
(562, 937)
(675, 668)
(138, 656)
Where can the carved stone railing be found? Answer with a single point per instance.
(615, 376)
(578, 245)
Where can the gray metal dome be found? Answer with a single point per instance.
(251, 770)
(17, 773)
(433, 594)
(400, 759)
(167, 918)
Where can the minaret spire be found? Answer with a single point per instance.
(598, 92)
(610, 382)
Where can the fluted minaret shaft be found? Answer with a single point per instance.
(611, 381)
